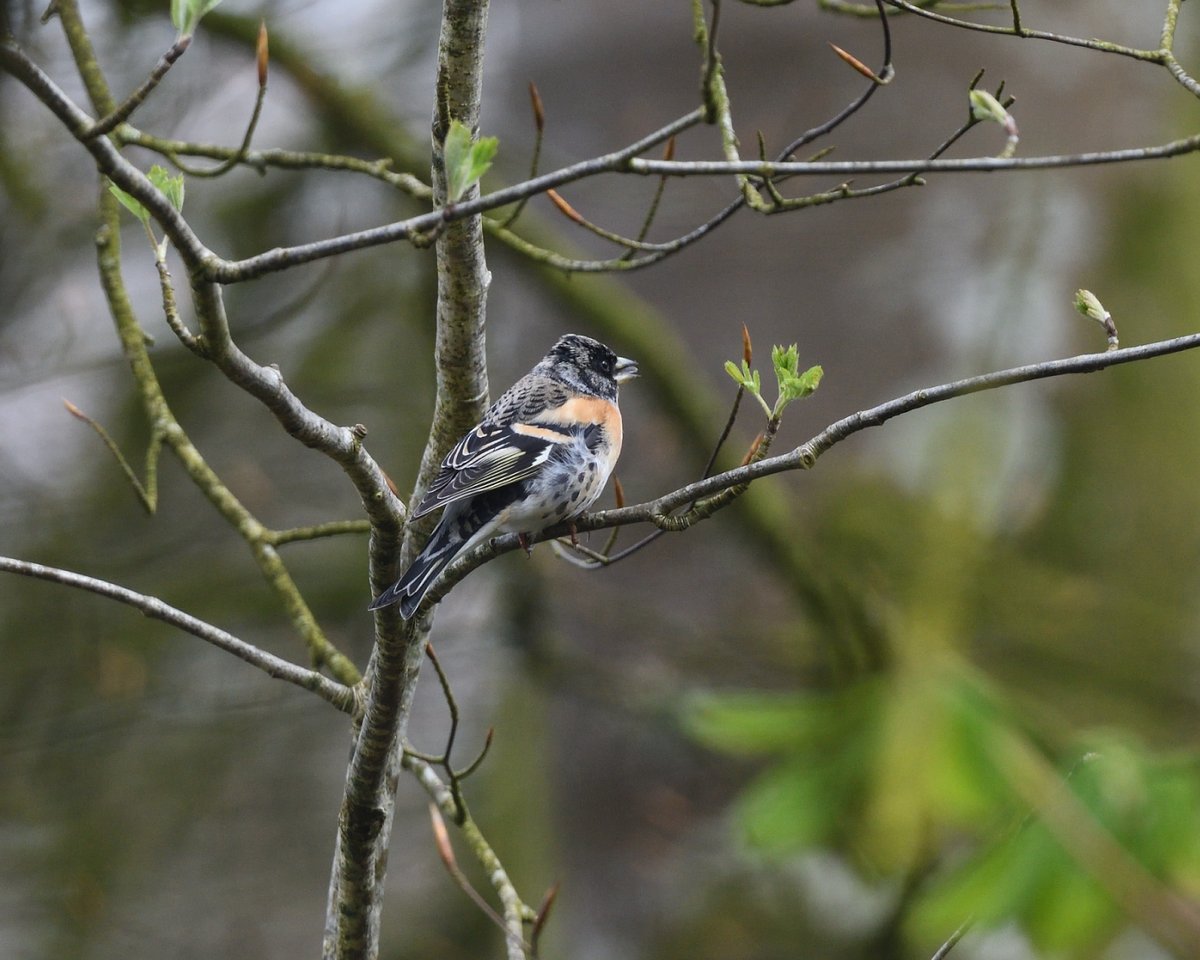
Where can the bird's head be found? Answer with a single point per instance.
(588, 365)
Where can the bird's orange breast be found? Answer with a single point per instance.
(589, 410)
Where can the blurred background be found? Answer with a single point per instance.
(814, 726)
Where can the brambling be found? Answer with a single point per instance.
(541, 455)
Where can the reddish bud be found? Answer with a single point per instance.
(564, 208)
(854, 62)
(535, 101)
(262, 53)
(749, 457)
(543, 914)
(442, 838)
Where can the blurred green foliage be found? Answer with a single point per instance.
(931, 775)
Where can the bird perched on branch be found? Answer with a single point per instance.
(541, 455)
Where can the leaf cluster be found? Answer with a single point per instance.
(792, 383)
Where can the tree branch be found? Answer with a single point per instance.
(359, 868)
(208, 265)
(804, 457)
(340, 695)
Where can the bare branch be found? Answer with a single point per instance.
(1152, 56)
(205, 263)
(146, 493)
(125, 110)
(341, 696)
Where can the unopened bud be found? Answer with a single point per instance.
(1090, 306)
(535, 101)
(986, 107)
(262, 53)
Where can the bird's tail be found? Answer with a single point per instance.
(445, 543)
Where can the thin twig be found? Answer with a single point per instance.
(539, 123)
(333, 528)
(125, 110)
(147, 493)
(1104, 46)
(236, 157)
(170, 306)
(951, 942)
(261, 160)
(886, 70)
(446, 855)
(218, 270)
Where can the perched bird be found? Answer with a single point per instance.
(541, 455)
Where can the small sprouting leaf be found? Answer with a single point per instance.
(187, 14)
(171, 186)
(785, 361)
(793, 385)
(986, 107)
(807, 382)
(749, 380)
(743, 375)
(466, 160)
(130, 203)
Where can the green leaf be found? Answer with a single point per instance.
(785, 361)
(805, 383)
(187, 14)
(130, 203)
(745, 376)
(466, 161)
(793, 385)
(169, 185)
(794, 806)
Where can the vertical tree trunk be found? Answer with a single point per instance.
(364, 825)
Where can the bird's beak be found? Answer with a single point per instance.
(625, 369)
